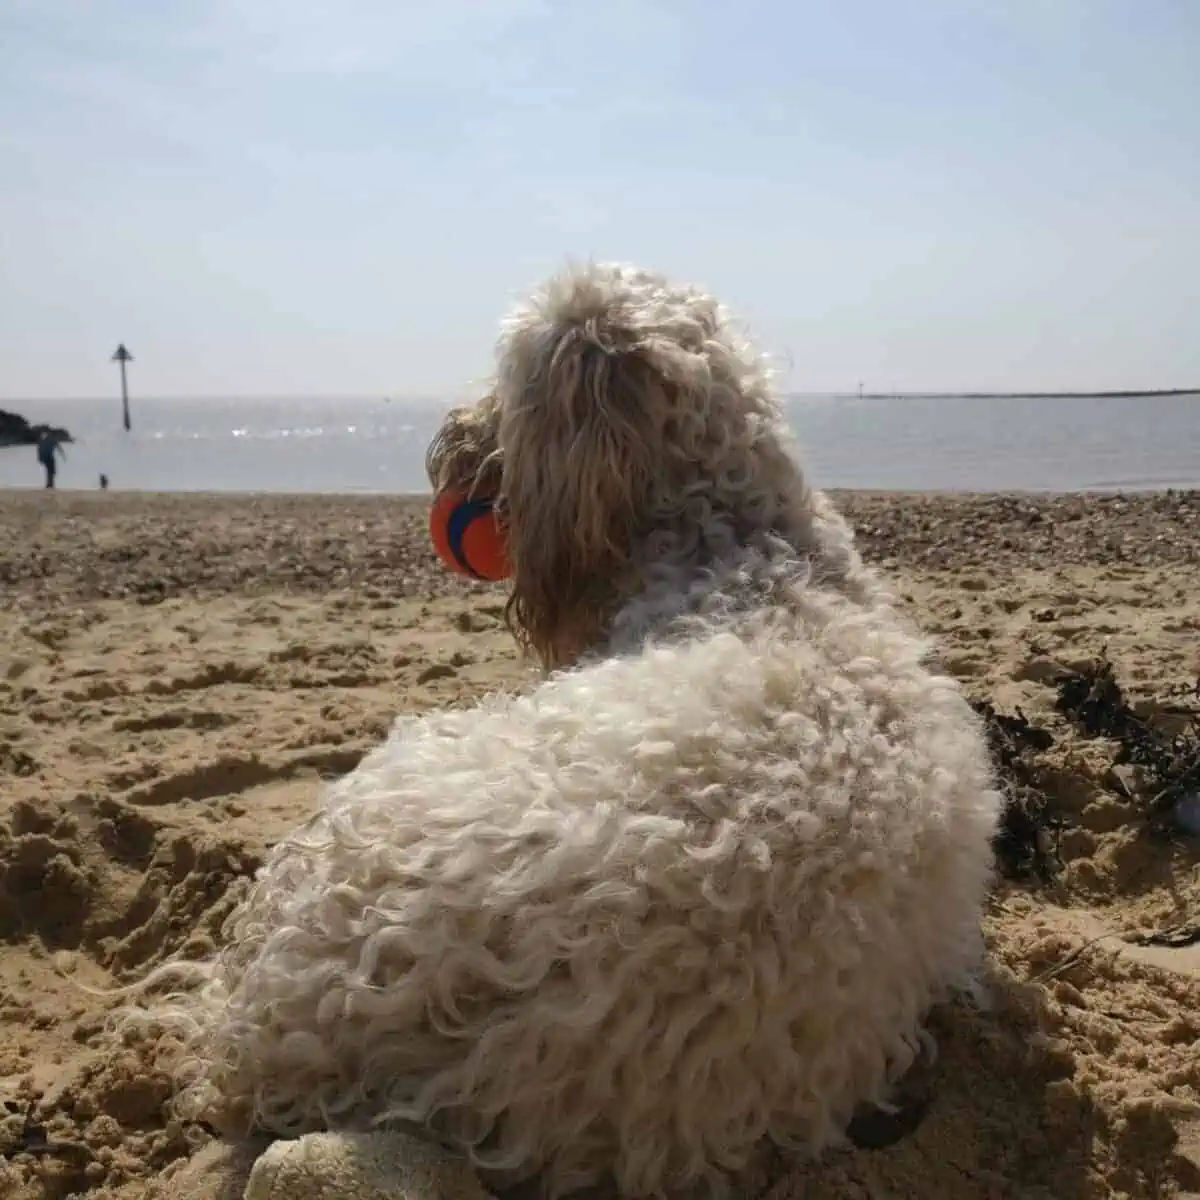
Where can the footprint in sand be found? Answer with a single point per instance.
(237, 774)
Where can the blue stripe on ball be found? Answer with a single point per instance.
(457, 525)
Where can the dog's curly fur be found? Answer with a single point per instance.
(694, 890)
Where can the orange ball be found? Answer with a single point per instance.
(468, 536)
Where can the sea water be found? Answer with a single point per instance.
(336, 444)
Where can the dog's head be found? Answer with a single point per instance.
(629, 427)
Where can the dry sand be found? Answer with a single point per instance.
(177, 674)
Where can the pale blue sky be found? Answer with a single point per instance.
(287, 196)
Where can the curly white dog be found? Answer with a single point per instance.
(696, 889)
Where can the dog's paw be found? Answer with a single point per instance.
(361, 1166)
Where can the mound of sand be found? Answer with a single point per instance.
(178, 674)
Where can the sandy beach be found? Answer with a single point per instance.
(178, 674)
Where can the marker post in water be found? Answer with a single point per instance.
(123, 356)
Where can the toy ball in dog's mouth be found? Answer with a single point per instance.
(468, 536)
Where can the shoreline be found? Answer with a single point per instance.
(32, 495)
(1116, 395)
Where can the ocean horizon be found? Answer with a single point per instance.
(956, 443)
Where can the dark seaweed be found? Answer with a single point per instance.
(1094, 701)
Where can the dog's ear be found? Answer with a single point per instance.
(581, 431)
(464, 453)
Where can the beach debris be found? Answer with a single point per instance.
(1026, 844)
(1157, 762)
(32, 1137)
(1167, 756)
(1177, 937)
(1186, 814)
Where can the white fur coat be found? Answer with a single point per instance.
(695, 892)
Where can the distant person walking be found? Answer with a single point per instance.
(47, 448)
